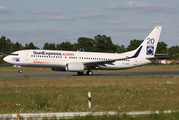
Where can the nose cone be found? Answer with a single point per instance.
(6, 59)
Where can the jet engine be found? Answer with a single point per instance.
(74, 67)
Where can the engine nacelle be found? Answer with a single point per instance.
(74, 67)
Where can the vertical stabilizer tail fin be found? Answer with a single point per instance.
(149, 45)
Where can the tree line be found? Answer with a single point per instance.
(100, 43)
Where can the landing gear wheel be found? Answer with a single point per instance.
(80, 73)
(89, 73)
(20, 71)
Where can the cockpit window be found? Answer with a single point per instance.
(14, 54)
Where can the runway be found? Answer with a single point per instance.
(95, 73)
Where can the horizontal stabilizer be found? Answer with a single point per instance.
(160, 57)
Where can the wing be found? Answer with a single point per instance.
(94, 64)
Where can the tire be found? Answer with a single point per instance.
(20, 71)
(80, 73)
(90, 73)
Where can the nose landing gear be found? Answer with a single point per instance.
(20, 67)
(20, 71)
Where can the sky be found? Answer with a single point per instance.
(57, 21)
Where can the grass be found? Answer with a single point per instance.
(30, 95)
(35, 70)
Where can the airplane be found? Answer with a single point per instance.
(76, 61)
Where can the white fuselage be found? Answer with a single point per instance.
(58, 59)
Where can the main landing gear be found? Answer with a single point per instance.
(80, 73)
(87, 73)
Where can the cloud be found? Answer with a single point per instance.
(4, 10)
(23, 20)
(16, 20)
(143, 7)
(58, 18)
(92, 15)
(139, 28)
(47, 12)
(134, 28)
(113, 22)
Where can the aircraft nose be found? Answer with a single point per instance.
(6, 59)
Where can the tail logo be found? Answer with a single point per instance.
(150, 50)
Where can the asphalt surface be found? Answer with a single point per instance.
(95, 73)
